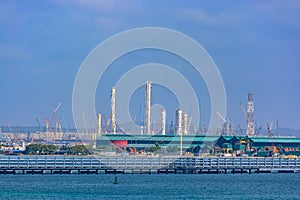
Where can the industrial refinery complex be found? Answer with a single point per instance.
(110, 138)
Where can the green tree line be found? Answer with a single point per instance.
(48, 149)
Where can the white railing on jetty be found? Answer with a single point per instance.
(123, 163)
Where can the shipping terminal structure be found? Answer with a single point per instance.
(179, 138)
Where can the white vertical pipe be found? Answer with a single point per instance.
(178, 121)
(163, 121)
(148, 108)
(99, 124)
(113, 111)
(185, 123)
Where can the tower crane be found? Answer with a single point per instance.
(246, 115)
(47, 127)
(227, 124)
(57, 129)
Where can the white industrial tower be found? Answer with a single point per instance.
(185, 124)
(147, 122)
(113, 111)
(250, 115)
(163, 121)
(178, 124)
(99, 124)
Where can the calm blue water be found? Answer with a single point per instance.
(145, 186)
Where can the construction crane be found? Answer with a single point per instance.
(277, 124)
(64, 120)
(259, 129)
(244, 112)
(273, 148)
(39, 124)
(47, 125)
(190, 126)
(241, 130)
(106, 122)
(171, 127)
(54, 113)
(222, 117)
(85, 124)
(227, 124)
(246, 115)
(57, 129)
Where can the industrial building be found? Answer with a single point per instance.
(180, 139)
(251, 145)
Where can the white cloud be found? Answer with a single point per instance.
(281, 11)
(199, 15)
(13, 52)
(109, 6)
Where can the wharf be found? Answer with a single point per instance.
(149, 165)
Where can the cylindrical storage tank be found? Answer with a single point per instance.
(185, 123)
(178, 124)
(141, 130)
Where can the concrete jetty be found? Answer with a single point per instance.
(149, 165)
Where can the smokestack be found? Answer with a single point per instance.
(178, 125)
(99, 124)
(250, 115)
(147, 122)
(163, 121)
(113, 111)
(141, 130)
(185, 124)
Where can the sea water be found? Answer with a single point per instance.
(151, 186)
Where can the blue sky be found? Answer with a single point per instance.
(255, 45)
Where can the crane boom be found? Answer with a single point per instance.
(222, 117)
(277, 123)
(38, 122)
(54, 113)
(57, 107)
(244, 111)
(259, 129)
(84, 121)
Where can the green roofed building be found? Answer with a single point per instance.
(285, 142)
(148, 141)
(205, 142)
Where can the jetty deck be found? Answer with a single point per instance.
(137, 164)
